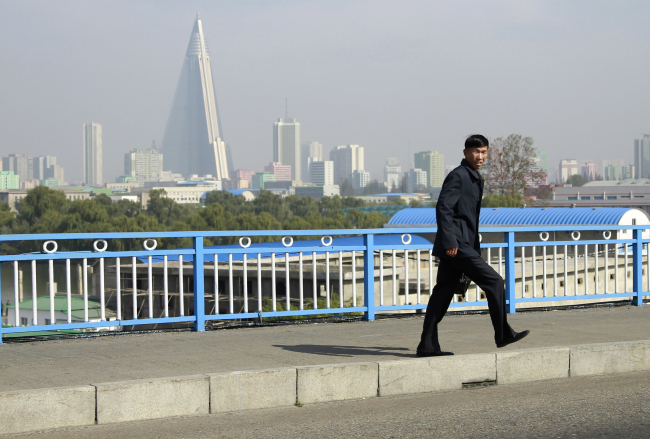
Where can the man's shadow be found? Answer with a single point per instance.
(346, 351)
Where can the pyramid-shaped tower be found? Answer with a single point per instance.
(193, 141)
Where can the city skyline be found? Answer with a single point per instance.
(332, 78)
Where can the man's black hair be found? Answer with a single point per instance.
(476, 141)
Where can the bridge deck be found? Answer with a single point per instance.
(126, 357)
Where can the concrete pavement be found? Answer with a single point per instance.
(602, 407)
(59, 363)
(137, 377)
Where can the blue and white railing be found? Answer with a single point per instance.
(365, 271)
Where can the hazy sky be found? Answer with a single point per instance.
(396, 77)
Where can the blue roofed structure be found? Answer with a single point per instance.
(531, 216)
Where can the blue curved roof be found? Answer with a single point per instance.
(529, 216)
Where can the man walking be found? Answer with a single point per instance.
(458, 247)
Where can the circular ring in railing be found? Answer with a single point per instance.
(284, 243)
(575, 235)
(404, 241)
(148, 247)
(326, 243)
(103, 243)
(607, 234)
(544, 236)
(54, 248)
(241, 242)
(480, 238)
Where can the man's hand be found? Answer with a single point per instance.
(452, 251)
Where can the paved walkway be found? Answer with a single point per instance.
(95, 360)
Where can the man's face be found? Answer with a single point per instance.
(476, 156)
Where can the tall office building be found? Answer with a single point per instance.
(642, 157)
(286, 145)
(433, 163)
(93, 154)
(392, 173)
(144, 164)
(310, 152)
(321, 173)
(193, 141)
(347, 159)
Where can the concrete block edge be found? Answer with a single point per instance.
(570, 350)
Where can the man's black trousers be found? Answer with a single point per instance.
(449, 273)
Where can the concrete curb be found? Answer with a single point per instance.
(30, 410)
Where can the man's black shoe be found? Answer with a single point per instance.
(518, 336)
(433, 354)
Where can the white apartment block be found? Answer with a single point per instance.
(567, 169)
(144, 164)
(392, 173)
(310, 152)
(93, 154)
(415, 178)
(321, 173)
(359, 179)
(347, 159)
(286, 145)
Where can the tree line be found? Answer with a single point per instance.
(47, 211)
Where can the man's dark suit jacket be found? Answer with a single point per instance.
(457, 212)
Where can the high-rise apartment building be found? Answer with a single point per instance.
(193, 142)
(54, 172)
(433, 163)
(9, 180)
(589, 171)
(347, 159)
(280, 172)
(286, 145)
(144, 164)
(20, 165)
(612, 173)
(416, 179)
(359, 179)
(628, 172)
(310, 152)
(321, 173)
(40, 164)
(642, 157)
(260, 178)
(243, 174)
(93, 154)
(543, 164)
(392, 173)
(567, 169)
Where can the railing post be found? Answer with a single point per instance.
(199, 290)
(369, 276)
(510, 271)
(637, 267)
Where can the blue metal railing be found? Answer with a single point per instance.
(228, 259)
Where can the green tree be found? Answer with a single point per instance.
(39, 200)
(495, 200)
(576, 180)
